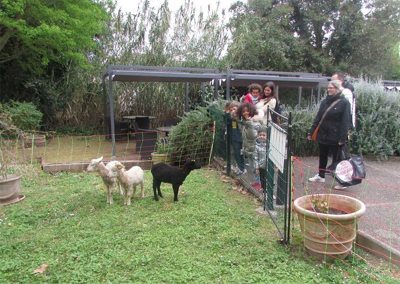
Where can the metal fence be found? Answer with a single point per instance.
(267, 172)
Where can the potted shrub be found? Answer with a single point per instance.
(328, 223)
(10, 183)
(163, 151)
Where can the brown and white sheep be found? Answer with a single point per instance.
(107, 174)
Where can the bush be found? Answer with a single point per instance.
(192, 137)
(24, 116)
(378, 128)
(302, 120)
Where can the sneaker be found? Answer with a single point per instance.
(339, 187)
(317, 178)
(239, 172)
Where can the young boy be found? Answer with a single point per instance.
(236, 141)
(260, 158)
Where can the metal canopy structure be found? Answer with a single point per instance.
(237, 78)
(161, 74)
(139, 73)
(231, 78)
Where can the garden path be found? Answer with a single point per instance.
(379, 228)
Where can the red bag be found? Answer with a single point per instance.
(314, 135)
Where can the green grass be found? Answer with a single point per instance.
(213, 234)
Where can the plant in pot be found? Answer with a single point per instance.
(10, 183)
(27, 117)
(163, 151)
(328, 223)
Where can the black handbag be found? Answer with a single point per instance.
(350, 171)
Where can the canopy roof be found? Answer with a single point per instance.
(137, 73)
(283, 79)
(162, 74)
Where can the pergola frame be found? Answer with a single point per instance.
(230, 78)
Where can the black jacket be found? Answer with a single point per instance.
(337, 122)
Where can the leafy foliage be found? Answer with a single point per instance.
(359, 37)
(23, 115)
(192, 137)
(36, 33)
(378, 130)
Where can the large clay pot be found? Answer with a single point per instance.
(10, 189)
(160, 158)
(329, 235)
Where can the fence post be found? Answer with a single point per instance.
(228, 136)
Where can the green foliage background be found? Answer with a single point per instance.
(23, 115)
(54, 54)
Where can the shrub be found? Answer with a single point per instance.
(301, 123)
(192, 137)
(24, 115)
(378, 129)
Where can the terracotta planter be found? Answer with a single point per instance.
(39, 140)
(10, 189)
(160, 158)
(329, 235)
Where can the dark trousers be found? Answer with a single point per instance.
(324, 151)
(236, 148)
(263, 178)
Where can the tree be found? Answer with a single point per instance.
(37, 32)
(263, 38)
(377, 46)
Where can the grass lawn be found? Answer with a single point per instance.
(213, 234)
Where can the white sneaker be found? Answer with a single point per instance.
(317, 178)
(339, 187)
(239, 173)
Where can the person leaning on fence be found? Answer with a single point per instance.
(268, 100)
(248, 128)
(236, 139)
(260, 157)
(333, 119)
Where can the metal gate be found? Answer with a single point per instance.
(274, 186)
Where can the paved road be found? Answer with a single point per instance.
(380, 192)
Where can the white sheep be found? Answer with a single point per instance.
(107, 173)
(129, 179)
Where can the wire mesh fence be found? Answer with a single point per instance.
(282, 180)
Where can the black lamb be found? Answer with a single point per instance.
(170, 174)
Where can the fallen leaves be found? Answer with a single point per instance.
(41, 269)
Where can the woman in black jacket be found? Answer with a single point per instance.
(333, 129)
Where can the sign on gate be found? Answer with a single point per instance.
(277, 145)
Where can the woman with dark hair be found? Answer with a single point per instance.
(333, 119)
(267, 100)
